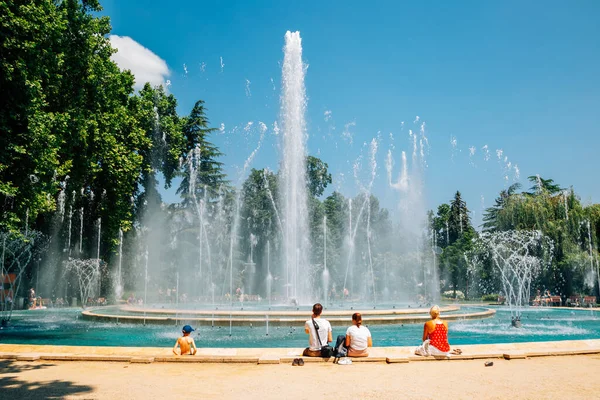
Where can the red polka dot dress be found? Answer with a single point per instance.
(439, 338)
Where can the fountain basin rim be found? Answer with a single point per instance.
(226, 320)
(328, 314)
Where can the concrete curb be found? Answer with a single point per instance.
(260, 356)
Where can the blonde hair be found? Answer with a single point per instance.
(434, 311)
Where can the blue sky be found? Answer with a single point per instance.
(521, 77)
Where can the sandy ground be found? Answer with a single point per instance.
(567, 377)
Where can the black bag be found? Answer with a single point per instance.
(327, 350)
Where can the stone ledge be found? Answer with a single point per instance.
(368, 359)
(562, 353)
(208, 359)
(240, 359)
(397, 360)
(288, 359)
(269, 360)
(28, 357)
(476, 356)
(57, 357)
(190, 359)
(515, 356)
(8, 356)
(142, 360)
(422, 358)
(96, 357)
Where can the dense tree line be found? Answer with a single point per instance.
(572, 228)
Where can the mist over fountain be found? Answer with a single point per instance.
(296, 248)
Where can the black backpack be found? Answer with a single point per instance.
(340, 349)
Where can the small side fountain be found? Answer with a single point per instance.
(519, 257)
(88, 276)
(16, 253)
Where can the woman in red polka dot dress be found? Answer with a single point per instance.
(435, 337)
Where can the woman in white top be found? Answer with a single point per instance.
(358, 338)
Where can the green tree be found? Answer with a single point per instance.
(201, 156)
(491, 214)
(439, 223)
(459, 221)
(317, 175)
(30, 61)
(541, 185)
(260, 224)
(454, 234)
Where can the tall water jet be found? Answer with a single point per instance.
(325, 270)
(119, 285)
(99, 283)
(293, 171)
(269, 276)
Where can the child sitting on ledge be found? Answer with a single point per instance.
(186, 343)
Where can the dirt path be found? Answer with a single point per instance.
(569, 377)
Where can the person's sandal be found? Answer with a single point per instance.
(295, 362)
(300, 362)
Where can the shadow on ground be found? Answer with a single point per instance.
(11, 387)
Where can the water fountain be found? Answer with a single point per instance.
(519, 257)
(88, 276)
(293, 171)
(16, 253)
(119, 277)
(212, 259)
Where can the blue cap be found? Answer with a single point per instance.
(188, 329)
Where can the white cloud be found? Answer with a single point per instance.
(143, 63)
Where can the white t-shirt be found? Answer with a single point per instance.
(358, 337)
(324, 329)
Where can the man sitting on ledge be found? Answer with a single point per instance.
(320, 338)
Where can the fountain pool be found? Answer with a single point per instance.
(66, 327)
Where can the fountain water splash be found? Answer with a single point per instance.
(293, 170)
(412, 227)
(366, 205)
(119, 280)
(593, 271)
(325, 270)
(519, 257)
(16, 253)
(68, 249)
(194, 163)
(88, 276)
